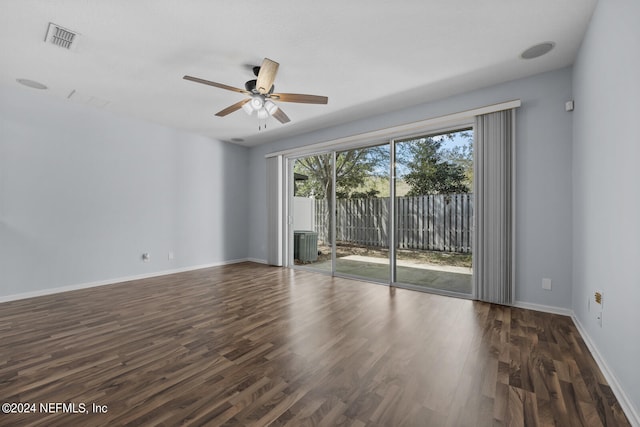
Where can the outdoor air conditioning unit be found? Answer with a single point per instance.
(305, 246)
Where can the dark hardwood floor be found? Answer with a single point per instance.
(248, 344)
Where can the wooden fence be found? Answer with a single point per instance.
(435, 222)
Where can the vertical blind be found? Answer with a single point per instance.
(274, 210)
(493, 223)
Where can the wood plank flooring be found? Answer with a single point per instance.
(248, 344)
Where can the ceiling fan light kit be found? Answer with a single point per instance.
(270, 106)
(262, 114)
(256, 102)
(247, 108)
(261, 94)
(264, 108)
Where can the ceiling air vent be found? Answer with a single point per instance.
(61, 36)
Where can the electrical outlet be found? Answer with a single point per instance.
(599, 319)
(546, 284)
(170, 255)
(569, 105)
(598, 297)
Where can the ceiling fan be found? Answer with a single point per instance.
(261, 95)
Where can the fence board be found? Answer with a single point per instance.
(437, 222)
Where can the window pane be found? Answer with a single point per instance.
(434, 211)
(362, 213)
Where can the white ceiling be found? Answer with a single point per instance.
(132, 55)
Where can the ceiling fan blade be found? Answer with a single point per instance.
(300, 98)
(230, 109)
(281, 116)
(219, 85)
(266, 76)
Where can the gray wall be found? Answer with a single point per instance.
(606, 187)
(544, 134)
(83, 193)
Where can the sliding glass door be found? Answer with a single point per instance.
(362, 213)
(399, 213)
(434, 212)
(310, 219)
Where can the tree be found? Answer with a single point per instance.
(462, 155)
(428, 171)
(368, 194)
(352, 169)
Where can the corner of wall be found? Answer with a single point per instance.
(605, 202)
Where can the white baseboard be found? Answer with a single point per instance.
(257, 260)
(42, 292)
(628, 408)
(623, 399)
(544, 308)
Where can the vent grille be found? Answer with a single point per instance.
(61, 36)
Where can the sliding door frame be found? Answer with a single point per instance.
(288, 216)
(336, 151)
(392, 213)
(461, 125)
(392, 222)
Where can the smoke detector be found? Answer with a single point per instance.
(61, 36)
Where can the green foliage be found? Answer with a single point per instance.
(429, 171)
(360, 194)
(424, 167)
(318, 171)
(353, 168)
(463, 156)
(374, 186)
